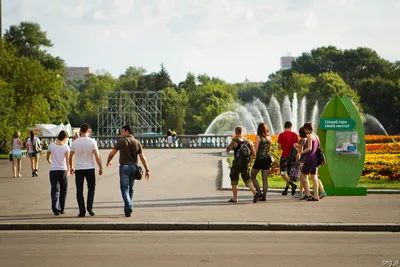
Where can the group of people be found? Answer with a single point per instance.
(171, 138)
(304, 162)
(33, 148)
(79, 160)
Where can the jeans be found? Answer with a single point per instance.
(58, 193)
(80, 176)
(127, 184)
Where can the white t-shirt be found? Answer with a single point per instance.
(58, 161)
(29, 142)
(16, 148)
(83, 148)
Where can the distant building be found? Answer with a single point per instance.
(77, 73)
(286, 62)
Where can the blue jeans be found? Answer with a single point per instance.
(59, 186)
(127, 184)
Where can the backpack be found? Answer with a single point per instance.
(242, 156)
(36, 146)
(321, 160)
(294, 173)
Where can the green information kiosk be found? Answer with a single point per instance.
(342, 137)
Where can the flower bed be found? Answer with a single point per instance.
(382, 167)
(385, 148)
(370, 139)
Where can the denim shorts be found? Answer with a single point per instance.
(33, 154)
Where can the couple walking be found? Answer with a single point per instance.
(79, 161)
(34, 148)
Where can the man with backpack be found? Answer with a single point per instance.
(244, 154)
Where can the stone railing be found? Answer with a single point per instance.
(182, 141)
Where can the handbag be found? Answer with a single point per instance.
(10, 157)
(321, 160)
(139, 171)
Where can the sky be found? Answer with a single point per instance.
(229, 39)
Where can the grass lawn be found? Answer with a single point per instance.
(4, 156)
(278, 182)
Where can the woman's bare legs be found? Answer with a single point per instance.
(315, 179)
(13, 167)
(265, 174)
(253, 177)
(19, 167)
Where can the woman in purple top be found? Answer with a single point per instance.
(310, 164)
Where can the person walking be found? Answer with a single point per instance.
(244, 153)
(286, 140)
(302, 145)
(129, 149)
(34, 149)
(263, 159)
(16, 154)
(84, 149)
(310, 165)
(57, 156)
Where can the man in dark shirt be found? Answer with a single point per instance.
(286, 141)
(129, 149)
(243, 170)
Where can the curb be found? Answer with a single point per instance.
(209, 226)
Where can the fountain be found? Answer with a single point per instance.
(373, 126)
(274, 115)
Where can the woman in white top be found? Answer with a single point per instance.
(16, 145)
(33, 155)
(57, 156)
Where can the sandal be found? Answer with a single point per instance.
(313, 199)
(231, 200)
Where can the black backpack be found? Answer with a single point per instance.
(242, 156)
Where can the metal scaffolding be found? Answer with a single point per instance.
(141, 110)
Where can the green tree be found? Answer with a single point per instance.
(129, 80)
(30, 90)
(174, 109)
(381, 98)
(31, 42)
(92, 98)
(328, 85)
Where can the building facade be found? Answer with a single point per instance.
(77, 73)
(286, 62)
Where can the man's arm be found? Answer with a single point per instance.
(98, 160)
(231, 146)
(110, 157)
(71, 161)
(144, 162)
(48, 156)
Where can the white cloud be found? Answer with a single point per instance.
(229, 38)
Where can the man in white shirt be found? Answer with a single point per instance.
(84, 148)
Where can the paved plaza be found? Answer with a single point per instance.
(184, 190)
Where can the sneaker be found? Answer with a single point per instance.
(305, 197)
(128, 213)
(256, 198)
(323, 194)
(312, 199)
(294, 187)
(297, 195)
(284, 192)
(262, 198)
